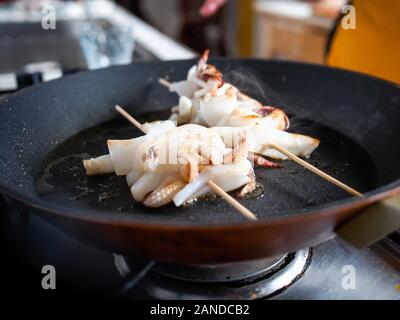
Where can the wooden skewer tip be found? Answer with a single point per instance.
(232, 201)
(164, 82)
(128, 117)
(315, 170)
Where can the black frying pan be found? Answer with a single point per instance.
(47, 130)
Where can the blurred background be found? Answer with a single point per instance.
(49, 38)
(283, 29)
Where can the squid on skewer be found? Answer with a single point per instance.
(176, 165)
(206, 99)
(137, 152)
(260, 137)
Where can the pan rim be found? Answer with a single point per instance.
(102, 217)
(213, 60)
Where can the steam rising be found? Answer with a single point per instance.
(306, 112)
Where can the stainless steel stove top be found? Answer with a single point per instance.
(334, 270)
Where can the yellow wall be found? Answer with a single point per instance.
(245, 16)
(374, 46)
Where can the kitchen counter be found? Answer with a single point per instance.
(161, 46)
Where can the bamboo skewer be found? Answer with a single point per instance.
(164, 82)
(315, 170)
(232, 201)
(128, 117)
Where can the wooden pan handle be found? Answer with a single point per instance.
(372, 224)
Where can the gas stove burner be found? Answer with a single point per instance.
(241, 280)
(220, 273)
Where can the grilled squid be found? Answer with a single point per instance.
(261, 137)
(135, 156)
(158, 167)
(206, 99)
(229, 177)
